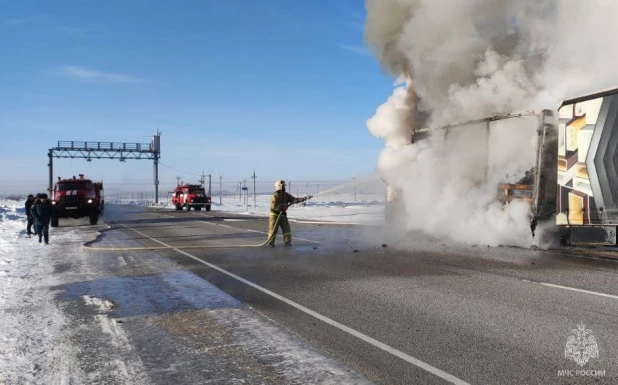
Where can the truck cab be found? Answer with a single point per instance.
(190, 196)
(77, 198)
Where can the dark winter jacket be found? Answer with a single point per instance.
(42, 212)
(33, 209)
(29, 203)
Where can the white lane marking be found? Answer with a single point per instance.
(577, 290)
(380, 345)
(121, 261)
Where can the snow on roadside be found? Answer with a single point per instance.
(36, 345)
(32, 324)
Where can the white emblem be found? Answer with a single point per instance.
(581, 345)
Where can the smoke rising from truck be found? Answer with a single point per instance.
(463, 60)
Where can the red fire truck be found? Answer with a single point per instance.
(77, 198)
(190, 196)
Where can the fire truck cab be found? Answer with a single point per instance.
(77, 198)
(190, 196)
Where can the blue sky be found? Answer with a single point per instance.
(282, 87)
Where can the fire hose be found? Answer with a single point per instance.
(271, 237)
(88, 246)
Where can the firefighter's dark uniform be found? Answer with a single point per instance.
(279, 203)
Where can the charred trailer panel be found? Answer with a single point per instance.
(544, 173)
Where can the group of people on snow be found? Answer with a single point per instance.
(39, 211)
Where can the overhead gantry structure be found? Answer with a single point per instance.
(108, 150)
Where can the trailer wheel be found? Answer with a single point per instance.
(54, 220)
(178, 207)
(198, 208)
(207, 207)
(188, 207)
(94, 218)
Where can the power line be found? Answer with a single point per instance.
(175, 169)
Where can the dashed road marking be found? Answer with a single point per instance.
(575, 289)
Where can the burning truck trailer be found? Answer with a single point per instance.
(573, 183)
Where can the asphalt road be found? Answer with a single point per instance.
(428, 314)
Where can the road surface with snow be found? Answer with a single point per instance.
(337, 307)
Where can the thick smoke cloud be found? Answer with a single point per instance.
(471, 59)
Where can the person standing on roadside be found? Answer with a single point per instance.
(43, 214)
(29, 216)
(35, 204)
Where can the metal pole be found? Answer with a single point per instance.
(156, 144)
(246, 195)
(487, 133)
(50, 154)
(220, 189)
(156, 177)
(209, 185)
(254, 196)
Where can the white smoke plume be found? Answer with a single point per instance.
(472, 59)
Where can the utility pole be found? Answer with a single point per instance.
(220, 189)
(50, 164)
(156, 150)
(177, 180)
(209, 185)
(240, 191)
(246, 195)
(254, 196)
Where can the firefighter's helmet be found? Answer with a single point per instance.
(279, 185)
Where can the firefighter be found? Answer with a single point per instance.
(28, 206)
(279, 203)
